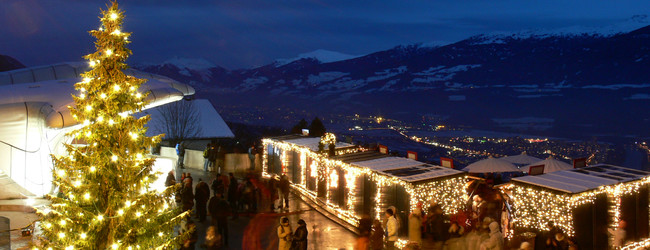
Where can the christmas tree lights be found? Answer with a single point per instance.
(105, 200)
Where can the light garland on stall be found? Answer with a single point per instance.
(449, 193)
(303, 162)
(535, 207)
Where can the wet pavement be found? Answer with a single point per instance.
(259, 230)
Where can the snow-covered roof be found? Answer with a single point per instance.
(406, 169)
(210, 122)
(312, 143)
(583, 179)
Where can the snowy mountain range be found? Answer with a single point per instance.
(581, 78)
(575, 80)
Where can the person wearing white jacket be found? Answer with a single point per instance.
(495, 242)
(391, 230)
(284, 234)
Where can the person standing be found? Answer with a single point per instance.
(219, 210)
(233, 194)
(180, 151)
(187, 196)
(415, 223)
(495, 242)
(273, 190)
(436, 227)
(217, 185)
(212, 157)
(221, 154)
(171, 179)
(377, 236)
(300, 236)
(284, 234)
(284, 191)
(201, 196)
(391, 230)
(206, 157)
(189, 177)
(365, 229)
(251, 157)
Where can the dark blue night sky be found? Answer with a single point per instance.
(247, 33)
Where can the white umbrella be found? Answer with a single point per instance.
(521, 159)
(550, 165)
(491, 165)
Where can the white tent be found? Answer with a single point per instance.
(550, 165)
(491, 165)
(210, 123)
(521, 159)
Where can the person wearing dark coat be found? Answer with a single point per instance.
(212, 157)
(300, 236)
(219, 210)
(201, 196)
(273, 189)
(377, 236)
(233, 194)
(284, 189)
(171, 179)
(436, 227)
(187, 196)
(218, 185)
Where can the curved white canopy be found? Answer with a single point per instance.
(35, 117)
(550, 165)
(491, 165)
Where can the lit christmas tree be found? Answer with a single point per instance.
(105, 199)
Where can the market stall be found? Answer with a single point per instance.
(350, 183)
(584, 204)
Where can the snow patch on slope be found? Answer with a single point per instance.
(633, 23)
(325, 77)
(253, 83)
(440, 73)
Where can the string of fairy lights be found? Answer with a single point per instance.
(449, 193)
(534, 207)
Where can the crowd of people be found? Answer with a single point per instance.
(227, 197)
(478, 226)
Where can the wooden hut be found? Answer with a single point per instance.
(584, 203)
(350, 182)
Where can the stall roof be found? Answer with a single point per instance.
(209, 122)
(403, 168)
(584, 179)
(308, 142)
